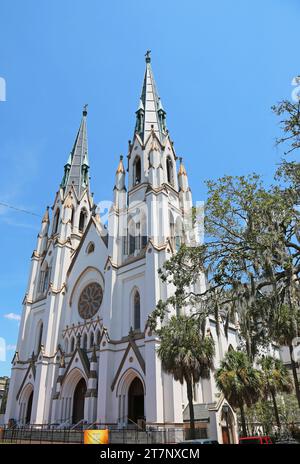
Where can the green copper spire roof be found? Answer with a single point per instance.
(150, 113)
(76, 169)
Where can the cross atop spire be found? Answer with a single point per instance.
(77, 167)
(150, 110)
(148, 57)
(84, 112)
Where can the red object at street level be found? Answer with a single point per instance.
(257, 440)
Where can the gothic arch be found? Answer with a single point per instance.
(55, 221)
(25, 403)
(66, 345)
(72, 344)
(135, 305)
(137, 170)
(72, 216)
(98, 337)
(137, 231)
(44, 278)
(90, 248)
(84, 339)
(123, 394)
(91, 339)
(82, 220)
(68, 391)
(228, 424)
(170, 171)
(79, 284)
(38, 336)
(179, 232)
(172, 228)
(70, 382)
(131, 228)
(126, 379)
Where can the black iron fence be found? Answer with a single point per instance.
(36, 434)
(41, 434)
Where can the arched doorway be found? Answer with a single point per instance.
(78, 401)
(227, 425)
(136, 401)
(29, 408)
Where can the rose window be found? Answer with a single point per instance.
(90, 300)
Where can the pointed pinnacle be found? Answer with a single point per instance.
(181, 171)
(120, 168)
(46, 215)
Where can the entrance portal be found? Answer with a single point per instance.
(29, 408)
(78, 402)
(136, 401)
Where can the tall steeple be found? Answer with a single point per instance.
(77, 167)
(150, 113)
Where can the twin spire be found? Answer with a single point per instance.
(77, 167)
(150, 114)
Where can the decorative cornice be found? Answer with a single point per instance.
(57, 290)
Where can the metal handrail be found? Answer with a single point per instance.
(91, 425)
(76, 425)
(135, 423)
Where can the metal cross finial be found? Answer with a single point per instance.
(85, 109)
(147, 55)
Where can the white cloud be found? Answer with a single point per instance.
(11, 347)
(13, 316)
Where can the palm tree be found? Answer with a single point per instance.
(284, 328)
(186, 354)
(275, 379)
(239, 381)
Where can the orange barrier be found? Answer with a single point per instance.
(96, 437)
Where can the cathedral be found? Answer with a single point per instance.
(85, 352)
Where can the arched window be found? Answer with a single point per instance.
(55, 221)
(98, 338)
(131, 236)
(66, 345)
(72, 344)
(137, 171)
(179, 233)
(92, 340)
(44, 278)
(82, 220)
(84, 341)
(170, 172)
(172, 229)
(72, 216)
(136, 311)
(138, 236)
(137, 232)
(143, 230)
(39, 336)
(90, 248)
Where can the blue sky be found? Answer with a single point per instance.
(219, 66)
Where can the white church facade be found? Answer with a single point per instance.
(85, 351)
